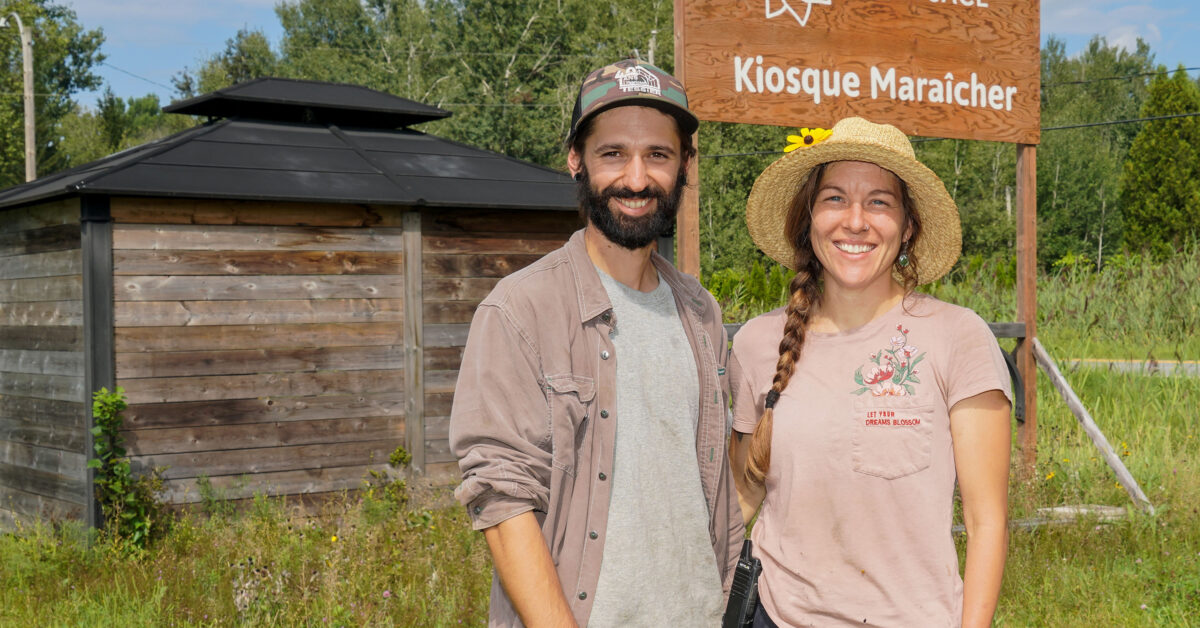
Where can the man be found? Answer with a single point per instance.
(589, 417)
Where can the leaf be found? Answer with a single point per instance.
(94, 463)
(916, 360)
(913, 379)
(860, 391)
(858, 379)
(910, 389)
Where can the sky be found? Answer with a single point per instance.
(150, 41)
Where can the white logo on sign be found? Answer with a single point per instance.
(638, 79)
(787, 8)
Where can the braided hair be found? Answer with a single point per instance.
(805, 297)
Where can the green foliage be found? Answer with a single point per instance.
(744, 294)
(64, 55)
(1161, 178)
(131, 512)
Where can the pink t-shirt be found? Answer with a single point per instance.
(855, 527)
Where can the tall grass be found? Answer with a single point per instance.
(376, 559)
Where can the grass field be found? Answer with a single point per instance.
(373, 559)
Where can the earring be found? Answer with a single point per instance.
(578, 176)
(902, 260)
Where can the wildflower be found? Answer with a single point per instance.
(1066, 459)
(807, 137)
(333, 539)
(1050, 475)
(1144, 607)
(1138, 561)
(387, 594)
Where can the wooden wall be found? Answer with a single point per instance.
(464, 254)
(42, 397)
(260, 345)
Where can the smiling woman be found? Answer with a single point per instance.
(863, 222)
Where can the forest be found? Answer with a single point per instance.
(1118, 164)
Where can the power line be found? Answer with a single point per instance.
(920, 140)
(1112, 78)
(124, 71)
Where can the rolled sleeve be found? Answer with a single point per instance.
(747, 406)
(500, 422)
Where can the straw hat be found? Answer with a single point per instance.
(855, 139)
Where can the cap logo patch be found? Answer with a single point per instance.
(638, 79)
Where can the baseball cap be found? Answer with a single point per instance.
(631, 82)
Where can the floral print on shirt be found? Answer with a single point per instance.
(892, 371)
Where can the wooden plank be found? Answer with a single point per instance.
(47, 435)
(437, 427)
(443, 358)
(302, 482)
(439, 451)
(1090, 428)
(175, 389)
(248, 361)
(182, 313)
(36, 458)
(501, 224)
(452, 335)
(442, 312)
(438, 404)
(268, 459)
(47, 412)
(478, 265)
(440, 381)
(57, 238)
(224, 337)
(230, 212)
(254, 238)
(39, 507)
(41, 265)
(687, 221)
(457, 289)
(42, 362)
(42, 313)
(61, 212)
(210, 288)
(254, 435)
(45, 483)
(263, 410)
(414, 344)
(59, 387)
(65, 288)
(42, 338)
(184, 262)
(536, 244)
(1027, 300)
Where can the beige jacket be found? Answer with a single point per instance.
(534, 415)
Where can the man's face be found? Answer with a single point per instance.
(633, 174)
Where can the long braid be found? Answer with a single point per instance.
(806, 294)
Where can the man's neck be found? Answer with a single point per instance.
(630, 267)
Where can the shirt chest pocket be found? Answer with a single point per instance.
(570, 398)
(891, 437)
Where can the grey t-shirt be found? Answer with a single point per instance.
(658, 567)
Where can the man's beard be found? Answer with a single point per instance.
(628, 231)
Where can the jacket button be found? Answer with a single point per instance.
(478, 509)
(583, 595)
(604, 355)
(604, 414)
(606, 317)
(603, 477)
(593, 536)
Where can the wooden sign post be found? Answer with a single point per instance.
(964, 69)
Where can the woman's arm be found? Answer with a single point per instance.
(750, 496)
(979, 427)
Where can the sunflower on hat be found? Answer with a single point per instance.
(807, 137)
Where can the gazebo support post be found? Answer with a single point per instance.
(96, 232)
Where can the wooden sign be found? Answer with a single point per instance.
(965, 69)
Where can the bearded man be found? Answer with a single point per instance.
(589, 417)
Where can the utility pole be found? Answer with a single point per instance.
(27, 66)
(653, 40)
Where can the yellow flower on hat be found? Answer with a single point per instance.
(807, 137)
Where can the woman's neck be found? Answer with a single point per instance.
(841, 310)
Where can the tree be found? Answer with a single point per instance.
(247, 56)
(64, 55)
(1161, 178)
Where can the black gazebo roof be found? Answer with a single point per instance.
(305, 141)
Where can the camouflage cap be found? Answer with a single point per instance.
(631, 82)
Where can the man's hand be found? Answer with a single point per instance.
(527, 572)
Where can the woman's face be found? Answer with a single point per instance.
(858, 225)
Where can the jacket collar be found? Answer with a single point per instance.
(593, 298)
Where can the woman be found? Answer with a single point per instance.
(858, 404)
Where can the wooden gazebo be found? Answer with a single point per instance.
(283, 292)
